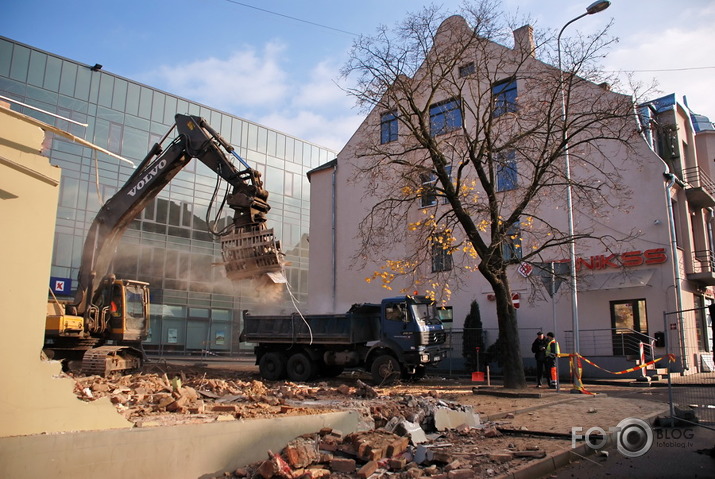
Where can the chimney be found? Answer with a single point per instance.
(524, 41)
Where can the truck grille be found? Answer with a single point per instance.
(432, 337)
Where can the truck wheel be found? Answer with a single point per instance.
(385, 370)
(272, 366)
(300, 368)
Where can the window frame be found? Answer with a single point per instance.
(389, 127)
(511, 247)
(506, 173)
(504, 97)
(441, 257)
(467, 69)
(445, 116)
(429, 190)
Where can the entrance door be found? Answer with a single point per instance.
(630, 326)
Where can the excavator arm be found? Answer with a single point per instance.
(249, 248)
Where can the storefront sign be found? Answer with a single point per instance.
(628, 259)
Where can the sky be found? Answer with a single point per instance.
(277, 62)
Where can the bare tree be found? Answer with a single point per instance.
(463, 156)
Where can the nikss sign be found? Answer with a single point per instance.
(628, 259)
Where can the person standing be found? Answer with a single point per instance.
(538, 347)
(552, 353)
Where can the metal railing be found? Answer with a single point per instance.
(703, 261)
(696, 178)
(610, 342)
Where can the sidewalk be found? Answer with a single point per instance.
(611, 406)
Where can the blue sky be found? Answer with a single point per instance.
(282, 72)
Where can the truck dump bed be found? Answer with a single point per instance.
(356, 326)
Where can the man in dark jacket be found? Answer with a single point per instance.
(538, 347)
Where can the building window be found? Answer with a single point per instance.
(429, 191)
(630, 326)
(511, 247)
(506, 171)
(504, 97)
(445, 117)
(388, 127)
(441, 254)
(466, 70)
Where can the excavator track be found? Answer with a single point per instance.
(105, 360)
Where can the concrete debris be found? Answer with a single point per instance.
(365, 453)
(408, 436)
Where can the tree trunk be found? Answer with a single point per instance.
(512, 361)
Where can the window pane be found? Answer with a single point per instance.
(506, 172)
(504, 97)
(388, 128)
(36, 73)
(445, 117)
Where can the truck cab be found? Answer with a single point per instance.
(412, 330)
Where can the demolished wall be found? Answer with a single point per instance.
(35, 399)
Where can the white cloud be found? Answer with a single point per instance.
(323, 89)
(671, 49)
(331, 132)
(246, 78)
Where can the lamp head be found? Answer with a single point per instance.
(598, 6)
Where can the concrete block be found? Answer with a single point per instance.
(414, 431)
(445, 418)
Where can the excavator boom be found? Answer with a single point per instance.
(250, 249)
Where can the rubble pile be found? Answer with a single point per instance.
(155, 399)
(402, 432)
(454, 454)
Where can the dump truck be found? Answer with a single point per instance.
(397, 338)
(104, 325)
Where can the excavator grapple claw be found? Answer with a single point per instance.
(250, 252)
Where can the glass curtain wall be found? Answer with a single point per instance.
(194, 308)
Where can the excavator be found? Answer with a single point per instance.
(104, 325)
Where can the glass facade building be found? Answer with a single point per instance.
(194, 308)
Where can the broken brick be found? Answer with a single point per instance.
(398, 446)
(339, 464)
(397, 464)
(462, 474)
(367, 470)
(301, 452)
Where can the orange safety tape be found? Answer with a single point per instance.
(670, 357)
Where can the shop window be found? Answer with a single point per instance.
(630, 326)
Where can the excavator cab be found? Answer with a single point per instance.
(127, 311)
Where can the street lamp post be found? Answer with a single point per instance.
(595, 7)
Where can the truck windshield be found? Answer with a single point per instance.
(425, 313)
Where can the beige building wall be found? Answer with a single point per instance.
(646, 217)
(36, 399)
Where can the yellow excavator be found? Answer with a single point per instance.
(104, 325)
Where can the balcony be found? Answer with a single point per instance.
(703, 269)
(700, 189)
